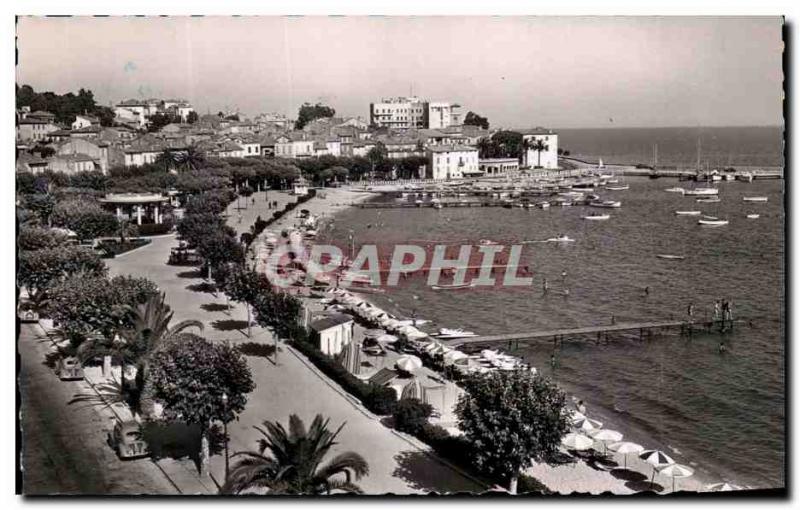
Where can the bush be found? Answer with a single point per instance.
(153, 229)
(381, 400)
(410, 415)
(110, 248)
(526, 484)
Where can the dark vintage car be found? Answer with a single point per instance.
(70, 369)
(126, 439)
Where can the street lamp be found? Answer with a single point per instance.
(225, 433)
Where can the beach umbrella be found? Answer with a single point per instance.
(575, 415)
(657, 459)
(587, 424)
(414, 389)
(605, 435)
(408, 363)
(373, 333)
(387, 339)
(625, 448)
(414, 335)
(405, 330)
(722, 487)
(575, 441)
(676, 471)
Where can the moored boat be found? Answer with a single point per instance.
(670, 257)
(561, 239)
(755, 199)
(708, 200)
(753, 216)
(675, 190)
(701, 192)
(618, 188)
(596, 217)
(454, 333)
(712, 223)
(687, 213)
(606, 204)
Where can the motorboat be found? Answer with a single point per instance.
(612, 181)
(561, 239)
(712, 223)
(710, 217)
(708, 200)
(543, 205)
(745, 177)
(701, 192)
(687, 213)
(596, 217)
(666, 256)
(755, 199)
(447, 333)
(606, 204)
(437, 205)
(753, 216)
(618, 188)
(675, 190)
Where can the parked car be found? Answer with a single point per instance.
(70, 369)
(126, 439)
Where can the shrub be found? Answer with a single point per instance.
(410, 415)
(526, 484)
(381, 400)
(111, 248)
(153, 229)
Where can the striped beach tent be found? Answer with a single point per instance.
(414, 389)
(351, 358)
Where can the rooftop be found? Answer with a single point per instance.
(332, 320)
(452, 148)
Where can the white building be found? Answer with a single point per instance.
(540, 155)
(452, 162)
(82, 121)
(442, 115)
(35, 130)
(334, 332)
(294, 145)
(498, 166)
(398, 113)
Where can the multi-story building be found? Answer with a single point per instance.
(82, 121)
(294, 145)
(32, 129)
(398, 113)
(542, 149)
(452, 162)
(498, 166)
(413, 113)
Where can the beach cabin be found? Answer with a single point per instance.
(332, 332)
(300, 187)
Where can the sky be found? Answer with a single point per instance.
(565, 72)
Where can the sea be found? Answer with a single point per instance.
(677, 147)
(722, 413)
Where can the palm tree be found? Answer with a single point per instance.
(191, 159)
(151, 329)
(539, 146)
(166, 158)
(293, 463)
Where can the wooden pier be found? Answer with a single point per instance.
(600, 333)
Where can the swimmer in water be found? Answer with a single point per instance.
(722, 347)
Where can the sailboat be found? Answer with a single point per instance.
(708, 191)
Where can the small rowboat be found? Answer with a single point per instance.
(687, 213)
(708, 200)
(712, 223)
(617, 188)
(755, 199)
(670, 257)
(596, 217)
(675, 190)
(753, 216)
(607, 204)
(710, 217)
(453, 287)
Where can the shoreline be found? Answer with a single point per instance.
(579, 477)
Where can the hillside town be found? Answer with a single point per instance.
(401, 127)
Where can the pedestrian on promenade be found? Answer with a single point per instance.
(239, 217)
(553, 360)
(690, 310)
(726, 311)
(716, 310)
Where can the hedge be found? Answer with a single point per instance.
(112, 248)
(381, 400)
(154, 229)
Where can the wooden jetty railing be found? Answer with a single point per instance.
(600, 333)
